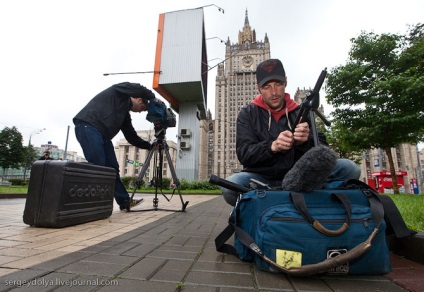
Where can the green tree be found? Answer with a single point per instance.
(30, 157)
(378, 94)
(12, 152)
(339, 140)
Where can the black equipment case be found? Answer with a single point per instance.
(63, 193)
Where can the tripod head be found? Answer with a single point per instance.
(160, 132)
(311, 102)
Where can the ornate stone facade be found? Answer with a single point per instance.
(235, 87)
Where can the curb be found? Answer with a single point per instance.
(13, 196)
(411, 247)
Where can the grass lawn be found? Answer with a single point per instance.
(410, 206)
(13, 190)
(412, 209)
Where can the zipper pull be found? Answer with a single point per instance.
(365, 222)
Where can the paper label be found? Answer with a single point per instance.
(288, 258)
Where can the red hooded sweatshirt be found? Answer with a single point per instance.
(290, 104)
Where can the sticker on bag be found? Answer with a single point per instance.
(288, 258)
(339, 270)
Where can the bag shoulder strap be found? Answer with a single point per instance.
(392, 216)
(394, 219)
(221, 239)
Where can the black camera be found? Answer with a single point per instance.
(161, 116)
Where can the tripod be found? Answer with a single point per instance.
(159, 146)
(309, 107)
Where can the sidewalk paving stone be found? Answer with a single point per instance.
(175, 251)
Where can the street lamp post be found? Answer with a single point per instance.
(420, 172)
(35, 132)
(219, 8)
(221, 40)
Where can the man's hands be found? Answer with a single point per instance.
(301, 133)
(285, 140)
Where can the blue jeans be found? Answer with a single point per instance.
(99, 150)
(345, 169)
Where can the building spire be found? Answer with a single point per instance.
(247, 35)
(246, 19)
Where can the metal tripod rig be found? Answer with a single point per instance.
(310, 105)
(159, 146)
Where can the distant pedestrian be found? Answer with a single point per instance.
(46, 156)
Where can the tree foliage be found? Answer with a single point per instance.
(12, 152)
(339, 140)
(30, 157)
(378, 93)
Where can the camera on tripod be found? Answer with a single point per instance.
(161, 116)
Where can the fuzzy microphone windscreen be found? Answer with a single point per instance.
(311, 170)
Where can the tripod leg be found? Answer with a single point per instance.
(174, 176)
(157, 169)
(159, 172)
(144, 169)
(314, 128)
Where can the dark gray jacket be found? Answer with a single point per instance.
(256, 130)
(109, 112)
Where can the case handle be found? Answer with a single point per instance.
(300, 204)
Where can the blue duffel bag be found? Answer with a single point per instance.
(334, 231)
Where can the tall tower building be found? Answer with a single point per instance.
(235, 87)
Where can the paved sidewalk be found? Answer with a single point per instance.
(155, 251)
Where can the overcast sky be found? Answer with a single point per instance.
(53, 54)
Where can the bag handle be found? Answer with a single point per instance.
(300, 204)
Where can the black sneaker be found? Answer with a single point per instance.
(133, 203)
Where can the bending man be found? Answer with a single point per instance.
(101, 120)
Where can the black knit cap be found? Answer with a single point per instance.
(268, 70)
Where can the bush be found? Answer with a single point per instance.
(126, 180)
(142, 183)
(184, 184)
(166, 183)
(202, 184)
(17, 181)
(130, 182)
(206, 185)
